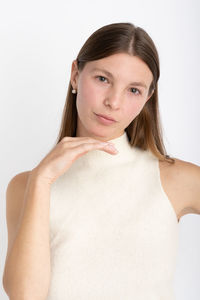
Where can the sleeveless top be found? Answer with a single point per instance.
(113, 230)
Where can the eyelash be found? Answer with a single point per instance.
(131, 88)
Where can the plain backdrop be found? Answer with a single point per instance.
(39, 40)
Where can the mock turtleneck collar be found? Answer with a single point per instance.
(101, 158)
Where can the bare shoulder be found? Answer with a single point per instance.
(16, 187)
(14, 203)
(181, 182)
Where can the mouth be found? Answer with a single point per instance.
(105, 120)
(106, 117)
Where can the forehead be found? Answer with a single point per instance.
(122, 66)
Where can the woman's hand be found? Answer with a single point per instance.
(62, 156)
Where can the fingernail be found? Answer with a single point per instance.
(111, 147)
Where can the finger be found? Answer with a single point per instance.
(86, 147)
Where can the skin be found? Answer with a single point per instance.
(125, 100)
(180, 181)
(27, 215)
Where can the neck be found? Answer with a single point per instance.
(100, 158)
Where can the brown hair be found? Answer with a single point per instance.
(145, 130)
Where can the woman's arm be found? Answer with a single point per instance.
(186, 177)
(27, 267)
(194, 187)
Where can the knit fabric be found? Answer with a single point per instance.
(113, 230)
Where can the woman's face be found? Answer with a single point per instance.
(119, 95)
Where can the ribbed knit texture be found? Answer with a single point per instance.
(113, 230)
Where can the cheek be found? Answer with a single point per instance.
(133, 109)
(87, 95)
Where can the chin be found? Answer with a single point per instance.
(98, 131)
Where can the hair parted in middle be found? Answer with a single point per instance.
(145, 131)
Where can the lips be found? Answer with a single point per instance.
(106, 117)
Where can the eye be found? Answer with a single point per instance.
(136, 90)
(101, 77)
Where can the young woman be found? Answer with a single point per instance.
(97, 218)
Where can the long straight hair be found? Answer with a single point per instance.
(145, 131)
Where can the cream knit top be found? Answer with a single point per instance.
(113, 230)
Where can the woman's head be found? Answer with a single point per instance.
(119, 95)
(128, 53)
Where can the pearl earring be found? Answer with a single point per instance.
(73, 91)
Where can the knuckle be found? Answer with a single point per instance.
(89, 139)
(85, 146)
(65, 139)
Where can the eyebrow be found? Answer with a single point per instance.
(136, 83)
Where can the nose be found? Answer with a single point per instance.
(113, 99)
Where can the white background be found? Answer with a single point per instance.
(39, 40)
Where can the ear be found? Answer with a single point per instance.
(74, 74)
